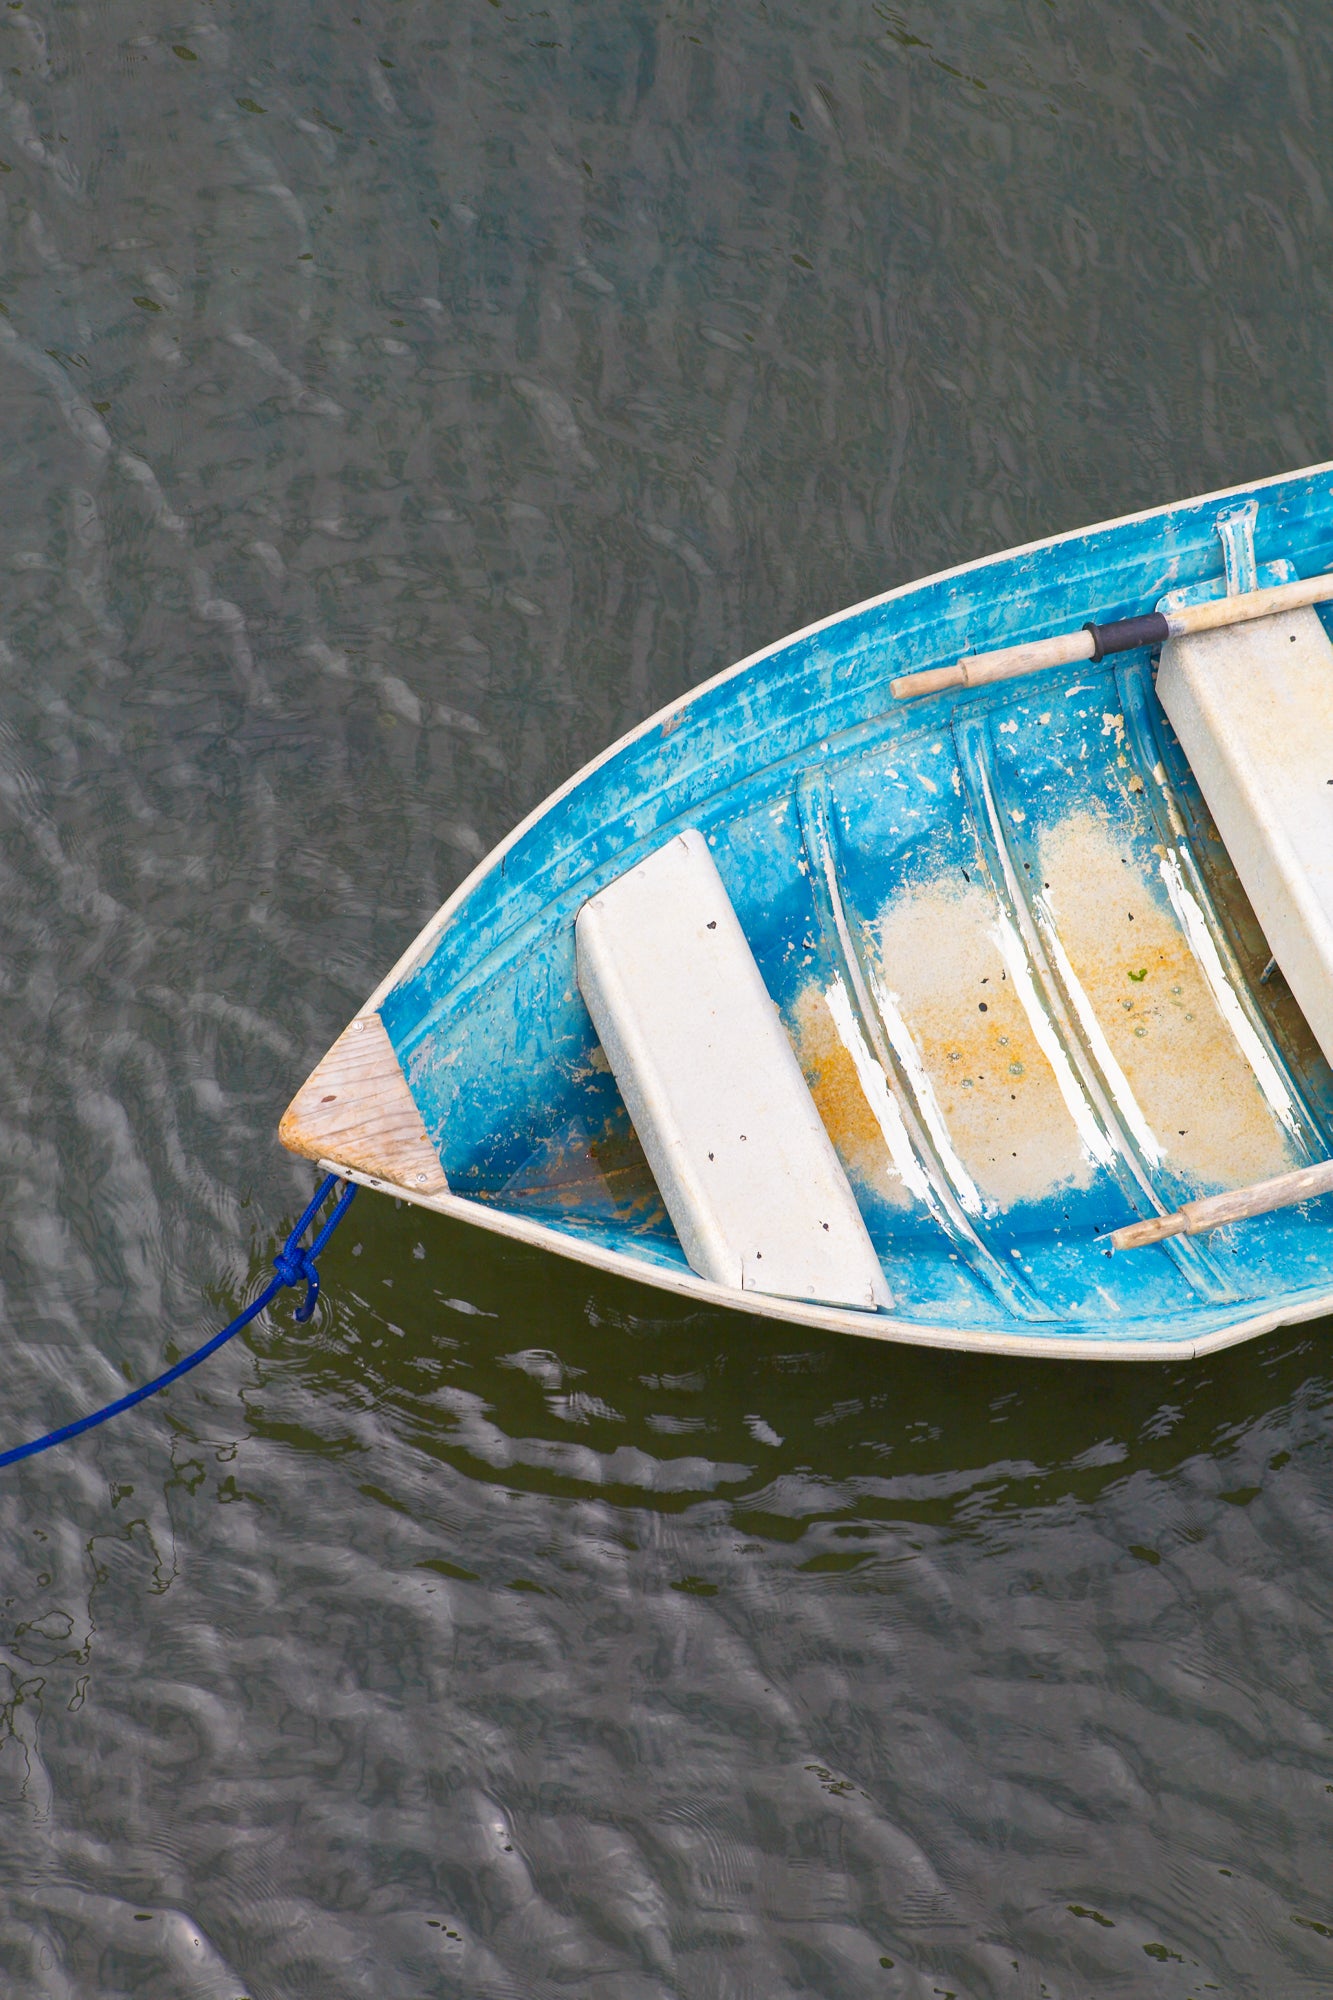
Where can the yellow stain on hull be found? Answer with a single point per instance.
(1154, 1004)
(940, 961)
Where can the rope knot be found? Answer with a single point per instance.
(296, 1266)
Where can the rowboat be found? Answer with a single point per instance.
(957, 971)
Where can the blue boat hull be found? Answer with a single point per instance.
(1009, 902)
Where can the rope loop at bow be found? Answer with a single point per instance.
(296, 1266)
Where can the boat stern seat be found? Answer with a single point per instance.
(1252, 706)
(745, 1166)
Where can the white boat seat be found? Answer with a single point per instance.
(1253, 708)
(748, 1173)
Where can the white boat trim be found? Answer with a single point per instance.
(834, 1319)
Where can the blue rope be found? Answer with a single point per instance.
(294, 1266)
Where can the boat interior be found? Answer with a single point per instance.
(1026, 991)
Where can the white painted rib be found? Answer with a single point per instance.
(899, 1036)
(1200, 941)
(1099, 1145)
(875, 1088)
(1128, 1106)
(1095, 1140)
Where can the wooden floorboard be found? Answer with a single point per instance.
(355, 1109)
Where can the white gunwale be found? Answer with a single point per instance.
(836, 1319)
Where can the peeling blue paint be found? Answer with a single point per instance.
(1005, 817)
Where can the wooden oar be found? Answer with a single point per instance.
(1093, 642)
(1196, 1217)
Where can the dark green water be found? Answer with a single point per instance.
(395, 407)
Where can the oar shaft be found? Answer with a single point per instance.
(1093, 642)
(1219, 611)
(978, 668)
(1197, 1217)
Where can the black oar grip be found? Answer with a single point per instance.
(1124, 634)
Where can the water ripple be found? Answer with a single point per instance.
(396, 408)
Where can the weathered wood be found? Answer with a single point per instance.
(934, 680)
(1067, 649)
(355, 1110)
(1215, 1211)
(1220, 611)
(977, 668)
